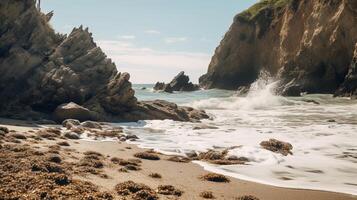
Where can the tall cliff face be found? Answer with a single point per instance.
(305, 43)
(40, 70)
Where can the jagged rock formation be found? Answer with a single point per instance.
(41, 70)
(181, 82)
(349, 86)
(306, 44)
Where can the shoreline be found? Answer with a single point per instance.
(184, 176)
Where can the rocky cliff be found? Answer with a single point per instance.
(41, 70)
(308, 45)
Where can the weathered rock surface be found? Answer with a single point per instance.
(309, 44)
(72, 111)
(277, 146)
(159, 109)
(349, 86)
(41, 72)
(181, 82)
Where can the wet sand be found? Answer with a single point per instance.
(183, 176)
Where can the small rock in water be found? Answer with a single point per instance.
(331, 120)
(277, 146)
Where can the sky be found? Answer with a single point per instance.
(153, 40)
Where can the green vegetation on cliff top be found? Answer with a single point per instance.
(251, 12)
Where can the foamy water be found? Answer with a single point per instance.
(324, 155)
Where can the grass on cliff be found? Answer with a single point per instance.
(251, 12)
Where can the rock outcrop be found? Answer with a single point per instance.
(181, 82)
(306, 44)
(349, 86)
(40, 70)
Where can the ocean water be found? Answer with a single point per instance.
(324, 135)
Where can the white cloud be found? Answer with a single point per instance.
(127, 37)
(171, 40)
(147, 65)
(154, 32)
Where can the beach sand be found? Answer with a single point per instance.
(183, 176)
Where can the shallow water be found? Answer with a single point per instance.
(324, 155)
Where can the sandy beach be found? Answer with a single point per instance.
(183, 176)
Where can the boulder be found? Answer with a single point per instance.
(72, 111)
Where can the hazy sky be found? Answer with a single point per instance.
(151, 39)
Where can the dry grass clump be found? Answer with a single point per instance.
(155, 175)
(135, 162)
(247, 197)
(179, 159)
(123, 170)
(18, 136)
(92, 163)
(132, 167)
(220, 158)
(130, 164)
(277, 146)
(49, 134)
(63, 143)
(113, 133)
(27, 174)
(212, 155)
(207, 195)
(93, 153)
(137, 191)
(213, 177)
(168, 190)
(147, 156)
(115, 160)
(54, 158)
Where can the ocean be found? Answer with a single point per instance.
(321, 128)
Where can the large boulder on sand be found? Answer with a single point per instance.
(72, 111)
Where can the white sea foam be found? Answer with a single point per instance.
(324, 155)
